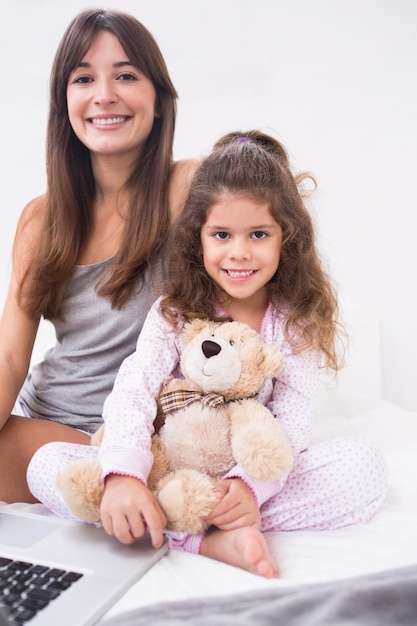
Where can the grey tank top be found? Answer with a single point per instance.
(72, 381)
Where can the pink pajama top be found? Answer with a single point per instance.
(130, 409)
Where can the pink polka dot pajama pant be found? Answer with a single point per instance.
(333, 484)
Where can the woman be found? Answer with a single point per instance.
(89, 254)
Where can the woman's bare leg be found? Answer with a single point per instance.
(244, 547)
(19, 439)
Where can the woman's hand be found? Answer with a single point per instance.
(129, 509)
(236, 508)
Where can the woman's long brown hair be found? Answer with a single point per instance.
(256, 165)
(71, 186)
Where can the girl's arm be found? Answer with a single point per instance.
(294, 396)
(128, 508)
(291, 398)
(17, 329)
(130, 410)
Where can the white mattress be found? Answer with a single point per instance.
(388, 541)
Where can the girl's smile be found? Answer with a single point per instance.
(241, 244)
(239, 276)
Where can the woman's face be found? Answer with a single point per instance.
(111, 104)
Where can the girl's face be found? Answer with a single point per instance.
(111, 104)
(241, 244)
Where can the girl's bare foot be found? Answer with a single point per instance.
(242, 547)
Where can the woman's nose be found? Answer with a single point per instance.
(105, 93)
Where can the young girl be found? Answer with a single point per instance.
(243, 249)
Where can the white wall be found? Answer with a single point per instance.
(334, 79)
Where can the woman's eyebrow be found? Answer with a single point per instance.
(116, 65)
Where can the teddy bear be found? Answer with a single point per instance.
(208, 421)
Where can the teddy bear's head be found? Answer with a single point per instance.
(227, 358)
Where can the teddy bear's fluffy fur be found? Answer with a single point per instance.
(219, 424)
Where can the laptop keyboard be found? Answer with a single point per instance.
(27, 588)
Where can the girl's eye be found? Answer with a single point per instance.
(221, 235)
(259, 234)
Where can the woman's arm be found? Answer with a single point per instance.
(17, 329)
(181, 176)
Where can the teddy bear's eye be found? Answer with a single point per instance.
(232, 343)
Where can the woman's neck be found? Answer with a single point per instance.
(108, 219)
(110, 207)
(111, 173)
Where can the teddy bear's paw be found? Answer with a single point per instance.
(186, 497)
(263, 460)
(171, 500)
(259, 442)
(81, 489)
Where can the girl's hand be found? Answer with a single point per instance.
(237, 506)
(129, 508)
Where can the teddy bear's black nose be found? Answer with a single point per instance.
(210, 348)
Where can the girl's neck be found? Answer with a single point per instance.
(249, 313)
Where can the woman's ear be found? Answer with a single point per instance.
(157, 111)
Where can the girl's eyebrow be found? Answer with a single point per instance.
(256, 227)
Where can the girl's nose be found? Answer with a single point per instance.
(239, 250)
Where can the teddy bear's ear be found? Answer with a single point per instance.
(272, 360)
(193, 328)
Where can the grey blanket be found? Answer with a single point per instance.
(384, 599)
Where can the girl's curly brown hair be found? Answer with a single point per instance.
(256, 165)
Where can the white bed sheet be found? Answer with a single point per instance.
(388, 541)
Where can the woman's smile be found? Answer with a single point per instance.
(110, 122)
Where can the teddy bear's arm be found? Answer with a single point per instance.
(259, 442)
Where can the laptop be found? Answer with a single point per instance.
(67, 573)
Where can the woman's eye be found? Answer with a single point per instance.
(126, 76)
(221, 235)
(82, 80)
